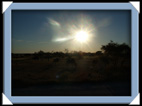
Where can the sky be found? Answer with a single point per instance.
(75, 30)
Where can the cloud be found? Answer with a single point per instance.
(53, 22)
(50, 24)
(63, 39)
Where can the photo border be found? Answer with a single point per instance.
(71, 99)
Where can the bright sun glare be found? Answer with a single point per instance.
(81, 36)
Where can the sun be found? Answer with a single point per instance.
(81, 36)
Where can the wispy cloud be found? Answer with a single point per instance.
(53, 22)
(50, 23)
(63, 39)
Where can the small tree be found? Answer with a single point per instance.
(99, 53)
(41, 52)
(115, 49)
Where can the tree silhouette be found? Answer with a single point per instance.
(99, 53)
(115, 49)
(41, 52)
(125, 50)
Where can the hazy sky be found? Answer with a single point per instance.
(56, 30)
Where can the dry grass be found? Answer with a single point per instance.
(26, 71)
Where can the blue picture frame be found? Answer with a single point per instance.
(71, 99)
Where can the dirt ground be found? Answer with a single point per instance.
(45, 77)
(76, 89)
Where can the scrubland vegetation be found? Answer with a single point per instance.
(111, 64)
